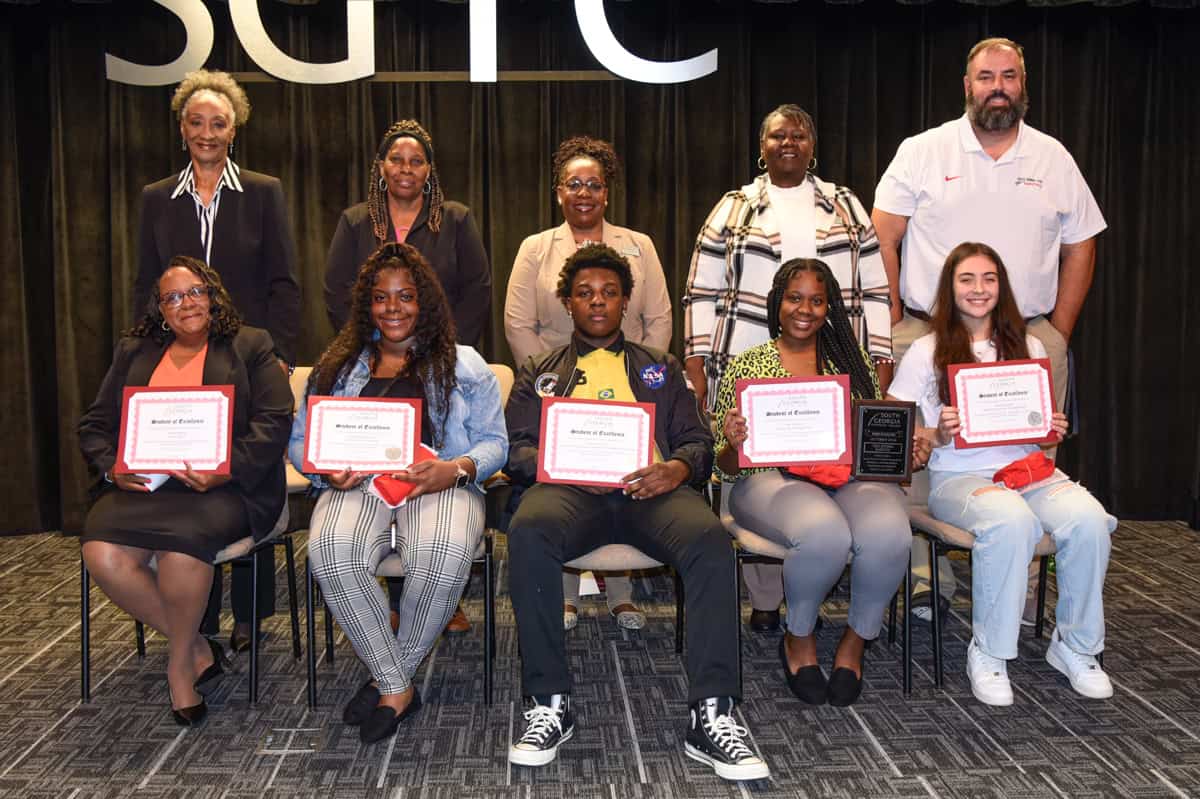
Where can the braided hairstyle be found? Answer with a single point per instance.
(837, 348)
(224, 319)
(433, 352)
(377, 194)
(598, 150)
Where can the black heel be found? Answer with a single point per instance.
(217, 667)
(187, 716)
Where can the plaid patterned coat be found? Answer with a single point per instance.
(737, 254)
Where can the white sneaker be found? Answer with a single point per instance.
(989, 677)
(1084, 672)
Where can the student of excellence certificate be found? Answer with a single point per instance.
(363, 434)
(167, 429)
(585, 442)
(1009, 402)
(795, 421)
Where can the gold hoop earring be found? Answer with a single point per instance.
(813, 164)
(762, 164)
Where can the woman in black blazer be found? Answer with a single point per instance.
(192, 516)
(235, 221)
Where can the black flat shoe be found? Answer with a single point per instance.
(808, 683)
(361, 704)
(844, 687)
(764, 621)
(190, 716)
(383, 721)
(218, 665)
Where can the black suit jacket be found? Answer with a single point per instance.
(455, 252)
(262, 414)
(252, 249)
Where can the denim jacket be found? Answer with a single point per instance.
(474, 426)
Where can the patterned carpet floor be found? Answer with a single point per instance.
(629, 698)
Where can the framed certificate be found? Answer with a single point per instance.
(585, 442)
(161, 428)
(795, 421)
(1009, 402)
(363, 434)
(883, 440)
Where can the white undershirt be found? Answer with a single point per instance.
(796, 215)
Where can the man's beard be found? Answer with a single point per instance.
(997, 118)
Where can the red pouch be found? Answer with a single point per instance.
(393, 491)
(833, 475)
(1029, 469)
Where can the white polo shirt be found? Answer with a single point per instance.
(1025, 205)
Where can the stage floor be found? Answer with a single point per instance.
(629, 699)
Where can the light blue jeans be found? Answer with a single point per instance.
(1007, 525)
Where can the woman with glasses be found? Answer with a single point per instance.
(190, 335)
(235, 221)
(535, 320)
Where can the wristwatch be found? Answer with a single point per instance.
(462, 478)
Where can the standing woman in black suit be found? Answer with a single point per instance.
(235, 221)
(405, 203)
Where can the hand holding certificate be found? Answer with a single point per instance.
(178, 431)
(795, 421)
(589, 443)
(1010, 402)
(361, 434)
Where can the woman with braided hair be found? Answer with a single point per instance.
(820, 523)
(405, 203)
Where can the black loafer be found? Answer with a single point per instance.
(764, 621)
(218, 665)
(239, 641)
(808, 683)
(844, 687)
(361, 704)
(383, 721)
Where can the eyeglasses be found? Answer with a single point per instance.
(173, 299)
(575, 185)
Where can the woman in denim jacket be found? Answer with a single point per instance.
(399, 343)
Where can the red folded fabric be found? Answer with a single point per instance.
(1029, 469)
(830, 475)
(393, 491)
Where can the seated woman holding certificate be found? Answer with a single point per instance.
(597, 478)
(398, 345)
(816, 512)
(1006, 494)
(190, 337)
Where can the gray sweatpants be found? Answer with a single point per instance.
(821, 530)
(436, 536)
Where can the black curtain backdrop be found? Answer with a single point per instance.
(1115, 84)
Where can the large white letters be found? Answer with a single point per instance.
(612, 54)
(360, 42)
(199, 29)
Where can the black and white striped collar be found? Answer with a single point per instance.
(229, 179)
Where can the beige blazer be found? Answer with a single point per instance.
(534, 317)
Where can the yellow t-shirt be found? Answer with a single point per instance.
(605, 378)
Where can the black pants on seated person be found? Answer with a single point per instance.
(558, 523)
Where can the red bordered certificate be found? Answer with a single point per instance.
(1008, 402)
(163, 427)
(363, 434)
(795, 421)
(596, 443)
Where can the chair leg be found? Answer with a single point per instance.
(678, 613)
(1043, 573)
(906, 640)
(737, 613)
(254, 627)
(85, 612)
(310, 627)
(935, 608)
(892, 619)
(289, 551)
(139, 632)
(489, 620)
(328, 629)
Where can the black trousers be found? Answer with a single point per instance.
(240, 596)
(557, 523)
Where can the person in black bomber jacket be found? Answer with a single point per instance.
(657, 510)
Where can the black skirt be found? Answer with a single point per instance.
(172, 519)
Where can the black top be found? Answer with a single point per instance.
(403, 387)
